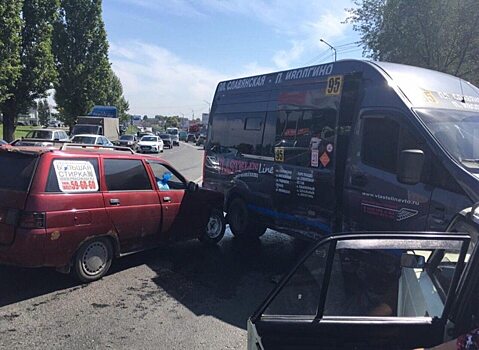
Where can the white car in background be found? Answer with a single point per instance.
(150, 143)
(91, 139)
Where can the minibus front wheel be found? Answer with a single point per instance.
(242, 221)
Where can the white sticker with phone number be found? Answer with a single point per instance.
(75, 176)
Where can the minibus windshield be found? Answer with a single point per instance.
(457, 131)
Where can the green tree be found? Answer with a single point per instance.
(10, 41)
(81, 57)
(115, 98)
(37, 71)
(44, 113)
(437, 34)
(172, 122)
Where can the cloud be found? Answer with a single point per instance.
(159, 82)
(283, 58)
(175, 7)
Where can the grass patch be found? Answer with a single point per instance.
(19, 131)
(131, 130)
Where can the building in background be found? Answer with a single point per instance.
(136, 120)
(184, 123)
(204, 118)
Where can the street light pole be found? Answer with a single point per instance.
(332, 48)
(209, 106)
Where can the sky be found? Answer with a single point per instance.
(171, 54)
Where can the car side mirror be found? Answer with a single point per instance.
(411, 162)
(193, 186)
(413, 261)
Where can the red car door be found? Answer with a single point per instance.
(131, 202)
(185, 213)
(171, 192)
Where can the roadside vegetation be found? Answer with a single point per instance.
(20, 131)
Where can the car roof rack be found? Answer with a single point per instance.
(66, 146)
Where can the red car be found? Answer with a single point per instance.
(77, 208)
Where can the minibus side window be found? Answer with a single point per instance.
(238, 133)
(303, 136)
(380, 143)
(269, 134)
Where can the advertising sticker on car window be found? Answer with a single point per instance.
(75, 176)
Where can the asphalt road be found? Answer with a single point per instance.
(183, 296)
(187, 158)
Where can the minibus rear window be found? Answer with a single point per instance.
(16, 171)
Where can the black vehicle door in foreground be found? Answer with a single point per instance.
(364, 291)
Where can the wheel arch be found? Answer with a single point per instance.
(111, 236)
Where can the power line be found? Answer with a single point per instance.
(326, 53)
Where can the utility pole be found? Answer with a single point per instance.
(209, 106)
(332, 48)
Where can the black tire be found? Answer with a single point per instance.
(215, 228)
(93, 260)
(242, 221)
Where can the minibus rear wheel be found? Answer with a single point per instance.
(241, 220)
(93, 260)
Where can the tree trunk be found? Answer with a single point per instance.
(9, 116)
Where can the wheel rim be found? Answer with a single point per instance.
(213, 228)
(95, 258)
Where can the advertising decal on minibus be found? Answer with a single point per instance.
(75, 176)
(394, 209)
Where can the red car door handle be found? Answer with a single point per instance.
(167, 199)
(114, 201)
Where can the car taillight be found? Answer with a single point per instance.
(30, 219)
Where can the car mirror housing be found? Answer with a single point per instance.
(413, 261)
(411, 162)
(192, 186)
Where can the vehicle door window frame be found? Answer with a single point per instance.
(404, 125)
(152, 188)
(173, 171)
(367, 117)
(333, 241)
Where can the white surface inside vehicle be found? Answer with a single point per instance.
(417, 295)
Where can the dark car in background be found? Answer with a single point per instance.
(200, 140)
(191, 138)
(183, 135)
(128, 140)
(167, 140)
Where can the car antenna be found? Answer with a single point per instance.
(462, 91)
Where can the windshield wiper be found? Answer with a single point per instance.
(470, 160)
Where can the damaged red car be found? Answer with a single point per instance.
(77, 208)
